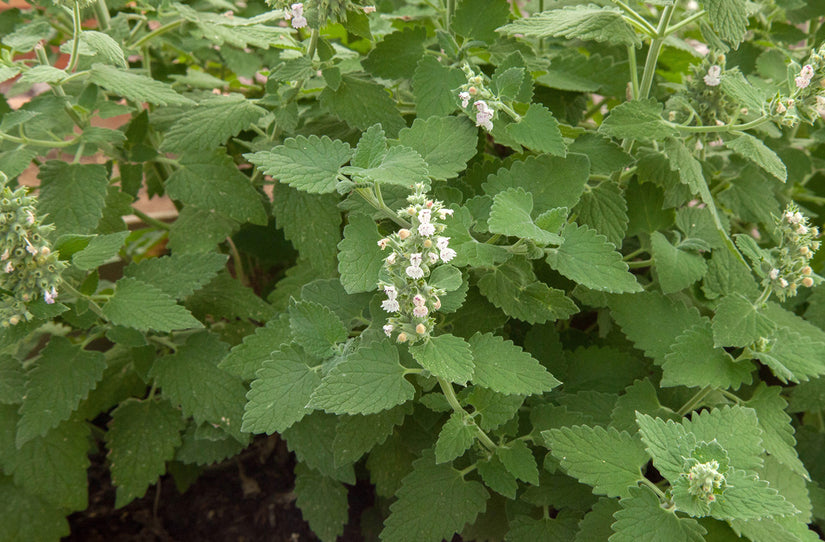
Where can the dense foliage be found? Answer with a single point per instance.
(545, 277)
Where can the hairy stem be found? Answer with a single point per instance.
(449, 393)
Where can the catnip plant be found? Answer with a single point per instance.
(529, 271)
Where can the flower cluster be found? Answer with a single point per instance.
(28, 267)
(295, 14)
(704, 480)
(483, 99)
(416, 251)
(712, 78)
(791, 266)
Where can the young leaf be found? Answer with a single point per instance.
(667, 442)
(361, 103)
(478, 19)
(63, 376)
(73, 195)
(100, 249)
(748, 497)
(735, 429)
(553, 181)
(367, 381)
(322, 501)
(510, 215)
(694, 361)
(137, 88)
(754, 150)
(178, 275)
(445, 143)
(398, 165)
(794, 356)
(505, 368)
(456, 436)
(433, 85)
(142, 437)
(589, 259)
(738, 322)
(496, 476)
(608, 460)
(359, 257)
(316, 328)
(434, 502)
(395, 56)
(590, 22)
(245, 359)
(308, 164)
(142, 306)
(538, 130)
(643, 518)
(445, 356)
(675, 268)
(637, 119)
(604, 209)
(605, 155)
(278, 397)
(518, 459)
(211, 123)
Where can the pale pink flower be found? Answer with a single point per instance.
(712, 78)
(9, 268)
(420, 312)
(383, 243)
(465, 98)
(297, 16)
(388, 330)
(774, 274)
(368, 9)
(425, 229)
(415, 259)
(390, 305)
(30, 248)
(415, 272)
(391, 292)
(50, 296)
(424, 216)
(444, 213)
(391, 259)
(447, 254)
(433, 257)
(802, 82)
(484, 116)
(5, 255)
(441, 242)
(30, 217)
(419, 300)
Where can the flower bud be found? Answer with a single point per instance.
(428, 243)
(403, 233)
(402, 337)
(421, 329)
(807, 270)
(807, 282)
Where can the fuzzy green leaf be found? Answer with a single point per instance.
(367, 381)
(397, 165)
(505, 368)
(245, 359)
(589, 259)
(178, 275)
(728, 18)
(308, 164)
(445, 143)
(794, 357)
(311, 439)
(553, 181)
(278, 397)
(433, 84)
(777, 431)
(26, 517)
(316, 328)
(322, 501)
(434, 502)
(642, 519)
(518, 459)
(456, 436)
(738, 322)
(754, 150)
(608, 460)
(142, 437)
(73, 195)
(395, 56)
(134, 87)
(667, 442)
(675, 268)
(604, 209)
(445, 356)
(590, 22)
(496, 476)
(748, 497)
(62, 377)
(538, 130)
(211, 123)
(360, 259)
(510, 215)
(735, 428)
(362, 103)
(637, 119)
(100, 249)
(478, 19)
(142, 306)
(357, 435)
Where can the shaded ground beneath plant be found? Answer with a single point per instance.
(245, 499)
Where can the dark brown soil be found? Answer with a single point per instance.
(245, 499)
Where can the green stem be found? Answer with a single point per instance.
(236, 260)
(449, 393)
(39, 142)
(640, 264)
(735, 398)
(313, 43)
(73, 58)
(157, 32)
(645, 26)
(634, 71)
(370, 197)
(694, 401)
(40, 52)
(684, 22)
(104, 21)
(164, 342)
(95, 308)
(653, 52)
(449, 15)
(659, 493)
(149, 220)
(763, 297)
(724, 128)
(634, 254)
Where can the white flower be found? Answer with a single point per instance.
(801, 229)
(9, 268)
(49, 296)
(820, 104)
(441, 242)
(415, 272)
(383, 243)
(802, 82)
(433, 257)
(807, 72)
(390, 305)
(419, 300)
(447, 254)
(798, 217)
(444, 213)
(424, 216)
(391, 292)
(420, 312)
(783, 283)
(30, 217)
(774, 274)
(5, 255)
(426, 229)
(368, 9)
(712, 78)
(388, 330)
(465, 98)
(391, 259)
(297, 16)
(415, 259)
(30, 248)
(484, 115)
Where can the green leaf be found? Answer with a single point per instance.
(552, 180)
(510, 215)
(546, 529)
(494, 409)
(446, 277)
(73, 195)
(217, 398)
(142, 306)
(518, 459)
(178, 275)
(308, 164)
(728, 18)
(213, 181)
(596, 524)
(134, 87)
(278, 397)
(505, 368)
(589, 259)
(396, 56)
(653, 322)
(604, 209)
(398, 165)
(675, 268)
(100, 249)
(748, 497)
(371, 148)
(245, 359)
(367, 381)
(12, 380)
(605, 156)
(433, 85)
(642, 519)
(589, 22)
(496, 476)
(754, 150)
(43, 74)
(211, 123)
(104, 47)
(777, 431)
(225, 297)
(445, 143)
(316, 328)
(388, 464)
(638, 119)
(445, 356)
(606, 459)
(26, 517)
(668, 443)
(311, 439)
(312, 223)
(434, 502)
(24, 38)
(738, 322)
(199, 230)
(694, 361)
(62, 377)
(513, 288)
(738, 88)
(53, 467)
(478, 19)
(793, 356)
(456, 436)
(688, 167)
(360, 259)
(735, 428)
(357, 435)
(538, 130)
(645, 208)
(322, 501)
(362, 103)
(142, 437)
(206, 445)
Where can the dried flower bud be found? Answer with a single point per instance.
(403, 234)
